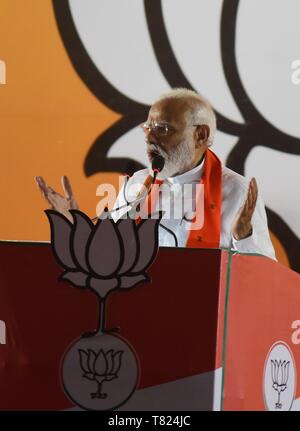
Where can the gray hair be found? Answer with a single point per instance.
(202, 114)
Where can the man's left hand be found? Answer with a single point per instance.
(242, 226)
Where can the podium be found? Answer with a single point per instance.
(213, 330)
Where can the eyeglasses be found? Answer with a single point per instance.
(160, 129)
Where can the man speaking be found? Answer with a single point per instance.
(180, 129)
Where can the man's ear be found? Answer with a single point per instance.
(202, 135)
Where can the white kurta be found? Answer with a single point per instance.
(174, 231)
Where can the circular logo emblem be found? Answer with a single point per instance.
(100, 372)
(279, 382)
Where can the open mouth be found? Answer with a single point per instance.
(152, 154)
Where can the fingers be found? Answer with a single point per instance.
(74, 204)
(249, 205)
(242, 225)
(68, 192)
(44, 188)
(48, 193)
(254, 190)
(67, 187)
(41, 184)
(252, 195)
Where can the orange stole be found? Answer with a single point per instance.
(209, 234)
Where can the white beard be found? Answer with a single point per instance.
(177, 161)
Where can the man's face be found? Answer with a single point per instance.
(177, 145)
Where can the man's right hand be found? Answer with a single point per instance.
(58, 202)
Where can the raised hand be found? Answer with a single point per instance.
(58, 202)
(242, 226)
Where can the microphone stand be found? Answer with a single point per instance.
(157, 166)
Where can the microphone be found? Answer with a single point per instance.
(157, 166)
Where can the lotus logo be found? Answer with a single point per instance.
(102, 258)
(280, 376)
(100, 368)
(106, 256)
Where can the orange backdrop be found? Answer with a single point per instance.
(49, 119)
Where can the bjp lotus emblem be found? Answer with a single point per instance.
(102, 258)
(100, 367)
(280, 376)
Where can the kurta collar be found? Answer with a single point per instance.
(193, 175)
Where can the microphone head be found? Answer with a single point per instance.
(158, 163)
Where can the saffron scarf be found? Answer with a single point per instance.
(207, 236)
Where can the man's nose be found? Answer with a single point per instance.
(151, 137)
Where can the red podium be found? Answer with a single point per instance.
(212, 330)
